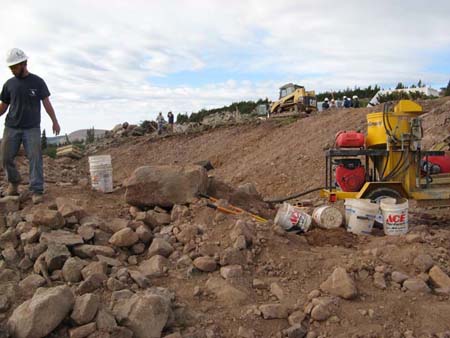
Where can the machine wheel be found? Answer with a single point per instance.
(377, 195)
(380, 193)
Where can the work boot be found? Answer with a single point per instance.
(13, 189)
(37, 198)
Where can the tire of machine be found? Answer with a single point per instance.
(377, 194)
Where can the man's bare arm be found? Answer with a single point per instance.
(51, 112)
(3, 108)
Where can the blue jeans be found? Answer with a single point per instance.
(31, 139)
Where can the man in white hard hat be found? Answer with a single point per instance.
(23, 94)
(325, 104)
(355, 101)
(347, 102)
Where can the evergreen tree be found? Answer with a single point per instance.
(43, 140)
(447, 90)
(182, 118)
(400, 86)
(67, 139)
(90, 136)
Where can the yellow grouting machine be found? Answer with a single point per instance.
(391, 163)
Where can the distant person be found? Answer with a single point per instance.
(160, 121)
(347, 103)
(355, 102)
(333, 103)
(170, 120)
(325, 104)
(23, 94)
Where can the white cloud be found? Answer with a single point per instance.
(101, 59)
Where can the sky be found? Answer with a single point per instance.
(107, 62)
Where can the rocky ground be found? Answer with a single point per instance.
(153, 260)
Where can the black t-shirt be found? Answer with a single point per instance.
(24, 96)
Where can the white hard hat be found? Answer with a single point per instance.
(345, 97)
(326, 99)
(15, 56)
(355, 97)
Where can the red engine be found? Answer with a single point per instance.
(350, 175)
(349, 139)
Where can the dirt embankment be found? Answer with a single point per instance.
(281, 157)
(220, 275)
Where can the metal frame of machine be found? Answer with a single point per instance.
(393, 158)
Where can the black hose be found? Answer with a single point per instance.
(279, 200)
(388, 128)
(402, 168)
(387, 123)
(385, 109)
(398, 165)
(384, 167)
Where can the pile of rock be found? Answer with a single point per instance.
(82, 276)
(429, 277)
(125, 129)
(222, 118)
(66, 273)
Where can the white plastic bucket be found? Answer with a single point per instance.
(348, 207)
(362, 216)
(292, 218)
(379, 218)
(101, 173)
(395, 217)
(327, 217)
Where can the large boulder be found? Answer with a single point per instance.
(85, 308)
(160, 247)
(155, 218)
(40, 315)
(340, 284)
(8, 239)
(124, 237)
(145, 314)
(49, 218)
(89, 251)
(439, 278)
(9, 204)
(114, 225)
(274, 311)
(165, 185)
(226, 292)
(71, 270)
(205, 263)
(156, 266)
(68, 208)
(55, 256)
(61, 237)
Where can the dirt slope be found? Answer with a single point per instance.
(280, 157)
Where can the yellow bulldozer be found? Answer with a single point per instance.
(294, 99)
